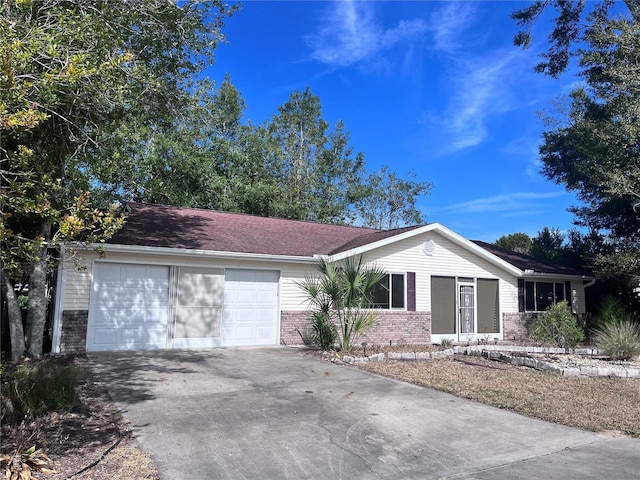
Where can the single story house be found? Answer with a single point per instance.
(186, 278)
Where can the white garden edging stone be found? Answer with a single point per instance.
(501, 353)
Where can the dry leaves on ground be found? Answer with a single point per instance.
(92, 442)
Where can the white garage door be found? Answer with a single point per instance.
(250, 308)
(129, 307)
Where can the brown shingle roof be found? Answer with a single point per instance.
(525, 262)
(175, 227)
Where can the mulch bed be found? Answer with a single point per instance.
(90, 442)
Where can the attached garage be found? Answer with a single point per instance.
(250, 314)
(129, 307)
(142, 307)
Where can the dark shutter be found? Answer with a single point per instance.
(567, 292)
(521, 294)
(411, 291)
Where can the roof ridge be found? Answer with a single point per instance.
(368, 230)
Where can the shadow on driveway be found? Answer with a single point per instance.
(278, 414)
(134, 377)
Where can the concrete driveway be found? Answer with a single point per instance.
(277, 414)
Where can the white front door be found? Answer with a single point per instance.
(250, 308)
(129, 307)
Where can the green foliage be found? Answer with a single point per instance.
(72, 75)
(343, 293)
(592, 142)
(325, 333)
(620, 338)
(548, 244)
(557, 326)
(36, 388)
(389, 201)
(516, 242)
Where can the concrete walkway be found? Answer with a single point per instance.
(278, 414)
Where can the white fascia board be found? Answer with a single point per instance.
(440, 229)
(541, 276)
(185, 252)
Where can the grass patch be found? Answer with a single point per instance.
(36, 388)
(596, 404)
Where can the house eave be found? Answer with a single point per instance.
(185, 252)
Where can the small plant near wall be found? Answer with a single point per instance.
(557, 326)
(446, 343)
(324, 330)
(342, 294)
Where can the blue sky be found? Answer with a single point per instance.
(437, 87)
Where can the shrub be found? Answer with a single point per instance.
(557, 326)
(343, 293)
(619, 339)
(325, 333)
(610, 310)
(36, 388)
(20, 465)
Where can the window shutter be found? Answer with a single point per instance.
(567, 292)
(521, 294)
(411, 291)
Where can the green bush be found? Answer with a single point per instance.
(557, 326)
(619, 339)
(325, 333)
(610, 310)
(36, 388)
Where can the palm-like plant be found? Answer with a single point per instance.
(343, 293)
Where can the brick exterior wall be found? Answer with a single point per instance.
(73, 338)
(406, 327)
(518, 326)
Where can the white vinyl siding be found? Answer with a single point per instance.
(448, 259)
(77, 285)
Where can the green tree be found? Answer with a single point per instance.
(71, 73)
(593, 148)
(342, 293)
(548, 245)
(516, 242)
(389, 201)
(315, 168)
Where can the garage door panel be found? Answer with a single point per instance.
(250, 315)
(104, 337)
(130, 306)
(121, 297)
(142, 336)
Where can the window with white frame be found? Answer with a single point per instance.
(540, 295)
(389, 293)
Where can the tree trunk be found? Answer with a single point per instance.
(37, 312)
(16, 332)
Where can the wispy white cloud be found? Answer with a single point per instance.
(351, 34)
(517, 203)
(448, 23)
(480, 77)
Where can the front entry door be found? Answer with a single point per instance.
(466, 311)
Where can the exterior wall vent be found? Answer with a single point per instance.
(429, 248)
